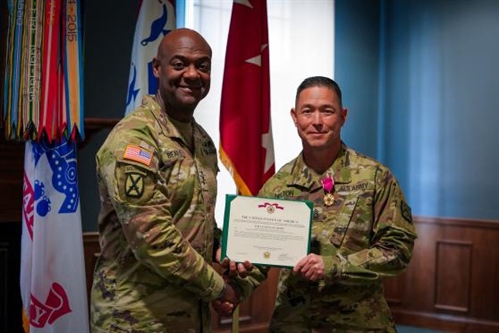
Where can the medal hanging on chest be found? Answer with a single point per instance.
(328, 186)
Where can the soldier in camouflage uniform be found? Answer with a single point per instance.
(362, 227)
(157, 182)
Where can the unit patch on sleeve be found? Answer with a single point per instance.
(406, 211)
(134, 184)
(138, 154)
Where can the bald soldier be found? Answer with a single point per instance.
(157, 182)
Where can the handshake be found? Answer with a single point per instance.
(230, 297)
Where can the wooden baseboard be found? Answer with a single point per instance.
(446, 323)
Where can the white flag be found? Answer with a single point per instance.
(52, 282)
(156, 19)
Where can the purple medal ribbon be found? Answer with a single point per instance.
(328, 184)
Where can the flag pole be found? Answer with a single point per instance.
(235, 320)
(235, 314)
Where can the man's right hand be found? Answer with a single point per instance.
(227, 302)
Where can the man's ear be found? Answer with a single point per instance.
(155, 67)
(345, 114)
(293, 115)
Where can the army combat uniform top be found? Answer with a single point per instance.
(363, 234)
(156, 227)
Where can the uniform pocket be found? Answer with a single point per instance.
(342, 211)
(354, 228)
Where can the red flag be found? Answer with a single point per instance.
(246, 145)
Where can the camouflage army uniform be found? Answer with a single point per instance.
(156, 227)
(365, 235)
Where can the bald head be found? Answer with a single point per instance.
(176, 37)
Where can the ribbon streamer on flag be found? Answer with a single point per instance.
(13, 69)
(53, 287)
(42, 83)
(246, 144)
(155, 19)
(73, 79)
(32, 41)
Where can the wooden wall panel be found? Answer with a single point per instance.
(4, 283)
(394, 290)
(11, 180)
(10, 260)
(452, 281)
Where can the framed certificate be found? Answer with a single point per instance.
(269, 232)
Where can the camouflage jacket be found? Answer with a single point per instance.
(156, 227)
(366, 234)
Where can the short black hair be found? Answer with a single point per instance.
(319, 81)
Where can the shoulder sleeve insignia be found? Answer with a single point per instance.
(406, 211)
(134, 184)
(138, 154)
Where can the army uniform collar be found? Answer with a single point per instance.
(307, 179)
(167, 128)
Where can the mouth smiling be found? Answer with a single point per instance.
(190, 88)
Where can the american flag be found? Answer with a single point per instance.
(138, 154)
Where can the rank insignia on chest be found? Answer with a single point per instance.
(134, 185)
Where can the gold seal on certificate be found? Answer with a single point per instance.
(270, 232)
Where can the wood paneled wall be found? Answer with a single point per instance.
(452, 281)
(11, 180)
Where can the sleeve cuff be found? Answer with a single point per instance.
(215, 291)
(332, 269)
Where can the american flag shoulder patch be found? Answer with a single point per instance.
(138, 154)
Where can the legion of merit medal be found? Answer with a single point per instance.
(328, 199)
(328, 186)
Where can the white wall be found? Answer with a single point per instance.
(301, 44)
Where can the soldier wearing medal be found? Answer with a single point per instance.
(157, 182)
(362, 228)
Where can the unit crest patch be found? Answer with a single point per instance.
(134, 185)
(406, 211)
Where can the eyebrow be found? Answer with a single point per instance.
(185, 58)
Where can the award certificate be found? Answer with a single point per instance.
(270, 232)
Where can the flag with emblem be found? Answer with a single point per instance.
(53, 286)
(155, 20)
(246, 144)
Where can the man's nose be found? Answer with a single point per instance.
(191, 72)
(317, 118)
